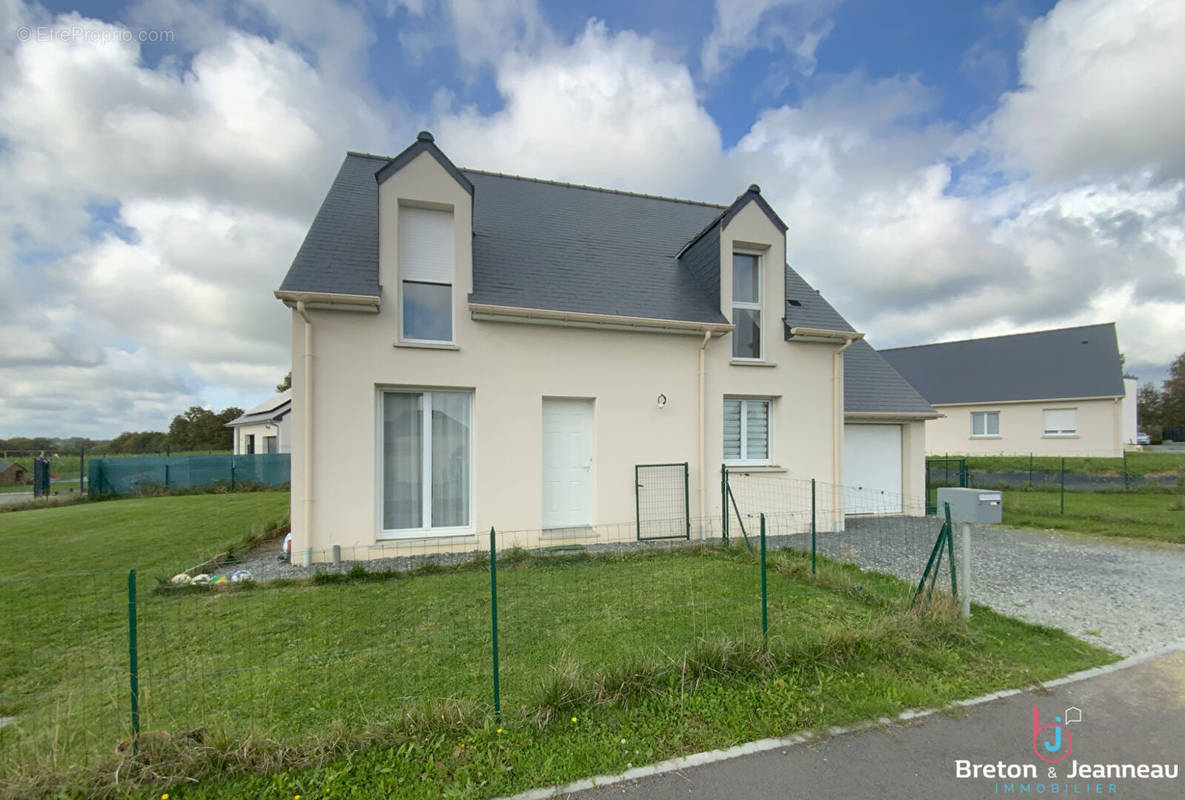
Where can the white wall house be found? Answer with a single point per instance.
(473, 349)
(265, 428)
(1049, 393)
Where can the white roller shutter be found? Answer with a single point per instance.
(425, 245)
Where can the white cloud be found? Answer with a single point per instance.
(1103, 92)
(605, 109)
(212, 172)
(793, 27)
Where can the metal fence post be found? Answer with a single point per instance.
(1030, 470)
(166, 476)
(687, 500)
(1125, 470)
(494, 623)
(950, 552)
(724, 501)
(764, 594)
(81, 468)
(812, 526)
(232, 473)
(965, 548)
(133, 663)
(1063, 485)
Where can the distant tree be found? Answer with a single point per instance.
(1149, 407)
(285, 384)
(201, 429)
(1172, 395)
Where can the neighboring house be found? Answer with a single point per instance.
(473, 349)
(264, 428)
(12, 474)
(1050, 393)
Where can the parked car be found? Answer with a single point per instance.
(1143, 438)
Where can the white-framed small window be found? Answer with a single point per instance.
(747, 291)
(747, 423)
(985, 423)
(426, 469)
(426, 263)
(1061, 422)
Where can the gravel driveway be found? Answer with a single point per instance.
(1124, 594)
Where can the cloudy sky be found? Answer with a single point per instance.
(946, 171)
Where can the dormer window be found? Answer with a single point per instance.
(426, 274)
(746, 306)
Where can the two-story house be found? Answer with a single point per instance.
(473, 349)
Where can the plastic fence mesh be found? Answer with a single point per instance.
(148, 474)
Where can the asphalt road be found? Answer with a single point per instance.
(1135, 715)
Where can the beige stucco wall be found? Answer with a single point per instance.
(1022, 426)
(511, 367)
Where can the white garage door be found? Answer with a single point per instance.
(872, 469)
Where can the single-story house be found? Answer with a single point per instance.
(1049, 393)
(12, 474)
(472, 349)
(264, 428)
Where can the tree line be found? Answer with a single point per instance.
(196, 428)
(1162, 410)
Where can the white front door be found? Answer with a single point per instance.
(567, 462)
(872, 469)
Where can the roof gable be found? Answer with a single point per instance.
(424, 143)
(1045, 365)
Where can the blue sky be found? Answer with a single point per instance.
(947, 169)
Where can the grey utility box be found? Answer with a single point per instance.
(971, 505)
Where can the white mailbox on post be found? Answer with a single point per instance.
(971, 505)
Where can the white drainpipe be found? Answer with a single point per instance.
(307, 457)
(703, 467)
(837, 427)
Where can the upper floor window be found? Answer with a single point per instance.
(426, 273)
(1061, 422)
(985, 423)
(746, 305)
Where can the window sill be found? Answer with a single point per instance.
(740, 468)
(986, 436)
(751, 362)
(425, 535)
(1059, 436)
(428, 345)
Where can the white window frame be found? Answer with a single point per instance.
(759, 306)
(1049, 433)
(452, 305)
(426, 463)
(769, 432)
(985, 434)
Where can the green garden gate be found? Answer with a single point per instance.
(662, 499)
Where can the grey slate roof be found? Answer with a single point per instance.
(340, 253)
(538, 244)
(1046, 365)
(543, 244)
(871, 385)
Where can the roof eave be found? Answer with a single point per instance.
(823, 335)
(497, 313)
(330, 300)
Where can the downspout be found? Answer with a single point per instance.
(837, 428)
(703, 468)
(307, 456)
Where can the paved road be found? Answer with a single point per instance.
(1134, 715)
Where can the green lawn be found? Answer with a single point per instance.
(1142, 516)
(383, 688)
(1138, 464)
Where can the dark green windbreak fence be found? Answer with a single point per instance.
(149, 474)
